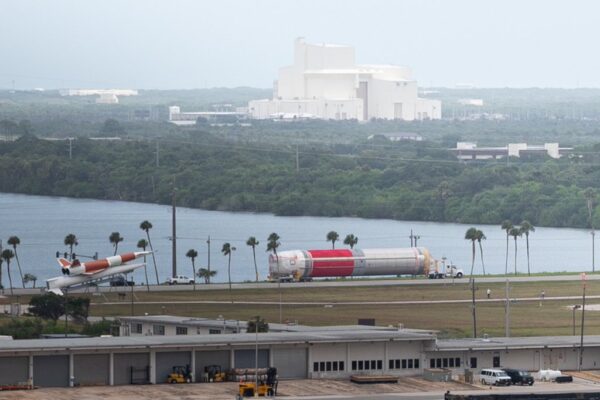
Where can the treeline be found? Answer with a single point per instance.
(407, 181)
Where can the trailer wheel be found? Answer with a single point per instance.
(459, 275)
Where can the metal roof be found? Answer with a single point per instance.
(241, 339)
(504, 343)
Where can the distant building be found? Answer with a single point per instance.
(471, 102)
(326, 83)
(224, 116)
(470, 151)
(397, 137)
(105, 96)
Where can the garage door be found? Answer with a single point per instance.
(290, 362)
(124, 362)
(51, 371)
(215, 357)
(91, 369)
(165, 361)
(245, 358)
(14, 370)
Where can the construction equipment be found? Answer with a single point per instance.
(180, 374)
(267, 385)
(214, 373)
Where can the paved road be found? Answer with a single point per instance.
(325, 284)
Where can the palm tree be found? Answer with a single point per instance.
(351, 240)
(7, 255)
(71, 240)
(479, 235)
(272, 245)
(146, 226)
(30, 278)
(14, 241)
(142, 244)
(206, 274)
(506, 226)
(115, 238)
(1, 285)
(526, 227)
(471, 235)
(515, 233)
(192, 254)
(332, 237)
(227, 249)
(252, 242)
(590, 197)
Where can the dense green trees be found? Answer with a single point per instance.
(341, 175)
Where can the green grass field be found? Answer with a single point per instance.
(528, 318)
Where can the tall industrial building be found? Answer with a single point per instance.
(325, 82)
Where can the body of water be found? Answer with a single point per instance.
(43, 222)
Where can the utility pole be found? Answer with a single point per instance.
(413, 239)
(583, 279)
(473, 305)
(157, 153)
(507, 311)
(70, 148)
(174, 234)
(208, 244)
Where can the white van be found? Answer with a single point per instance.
(494, 377)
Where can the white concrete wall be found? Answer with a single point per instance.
(321, 108)
(330, 86)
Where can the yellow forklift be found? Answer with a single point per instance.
(180, 374)
(266, 387)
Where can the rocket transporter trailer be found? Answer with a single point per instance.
(304, 265)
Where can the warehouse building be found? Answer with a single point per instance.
(302, 352)
(149, 359)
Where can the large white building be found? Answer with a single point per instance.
(325, 82)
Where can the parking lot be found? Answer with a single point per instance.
(289, 388)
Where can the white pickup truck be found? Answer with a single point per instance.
(180, 280)
(451, 272)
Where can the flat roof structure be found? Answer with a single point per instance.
(512, 343)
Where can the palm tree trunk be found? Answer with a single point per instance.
(472, 259)
(19, 266)
(229, 276)
(1, 285)
(481, 254)
(116, 248)
(9, 278)
(194, 270)
(153, 258)
(527, 241)
(146, 273)
(515, 255)
(255, 267)
(506, 267)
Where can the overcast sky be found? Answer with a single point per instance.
(196, 44)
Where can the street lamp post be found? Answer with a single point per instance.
(575, 307)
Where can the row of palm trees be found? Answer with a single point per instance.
(475, 235)
(350, 239)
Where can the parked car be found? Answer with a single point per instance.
(120, 281)
(519, 377)
(495, 377)
(180, 280)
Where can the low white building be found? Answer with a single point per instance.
(326, 83)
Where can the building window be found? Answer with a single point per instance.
(354, 365)
(432, 363)
(136, 328)
(328, 366)
(181, 330)
(444, 362)
(416, 363)
(158, 329)
(457, 362)
(214, 331)
(404, 366)
(473, 362)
